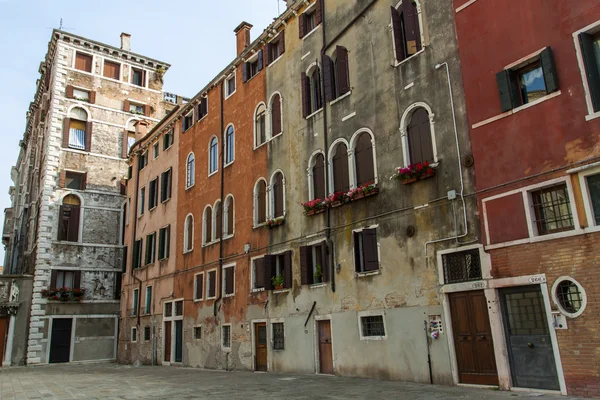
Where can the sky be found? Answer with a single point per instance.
(194, 36)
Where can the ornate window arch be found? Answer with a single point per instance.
(261, 208)
(339, 172)
(260, 125)
(418, 134)
(213, 155)
(188, 234)
(275, 115)
(207, 220)
(190, 171)
(316, 175)
(362, 158)
(229, 216)
(277, 195)
(78, 129)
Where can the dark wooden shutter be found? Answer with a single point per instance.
(319, 91)
(287, 262)
(305, 264)
(65, 138)
(397, 33)
(124, 144)
(161, 244)
(92, 97)
(318, 12)
(147, 110)
(343, 83)
(328, 77)
(77, 280)
(199, 286)
(591, 68)
(260, 60)
(268, 59)
(549, 68)
(53, 279)
(244, 72)
(259, 273)
(229, 277)
(302, 25)
(305, 95)
(219, 221)
(412, 33)
(319, 177)
(212, 287)
(325, 261)
(262, 202)
(281, 43)
(88, 136)
(370, 253)
(505, 90)
(276, 115)
(341, 178)
(363, 156)
(168, 242)
(269, 271)
(73, 225)
(420, 146)
(126, 105)
(278, 193)
(62, 178)
(69, 92)
(230, 215)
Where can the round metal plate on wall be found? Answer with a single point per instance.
(410, 231)
(468, 161)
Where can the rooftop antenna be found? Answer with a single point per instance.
(277, 7)
(60, 27)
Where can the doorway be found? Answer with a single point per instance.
(178, 341)
(260, 343)
(531, 356)
(325, 350)
(60, 341)
(473, 342)
(3, 329)
(167, 349)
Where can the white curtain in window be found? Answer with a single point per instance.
(77, 138)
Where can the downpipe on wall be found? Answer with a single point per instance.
(223, 144)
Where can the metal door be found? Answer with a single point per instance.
(473, 338)
(167, 341)
(325, 351)
(528, 336)
(260, 337)
(60, 342)
(178, 341)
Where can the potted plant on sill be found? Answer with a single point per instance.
(63, 294)
(318, 275)
(273, 223)
(278, 282)
(413, 173)
(366, 190)
(336, 199)
(313, 207)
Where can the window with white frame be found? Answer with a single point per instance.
(155, 150)
(229, 145)
(316, 176)
(199, 286)
(226, 336)
(207, 221)
(593, 187)
(217, 221)
(278, 336)
(78, 129)
(406, 29)
(230, 85)
(138, 76)
(213, 155)
(190, 173)
(228, 217)
(134, 334)
(339, 174)
(142, 200)
(188, 234)
(148, 304)
(589, 46)
(134, 301)
(569, 296)
(418, 139)
(258, 273)
(187, 121)
(260, 202)
(164, 242)
(372, 326)
(276, 115)
(364, 165)
(260, 127)
(228, 280)
(366, 250)
(311, 91)
(277, 195)
(552, 209)
(211, 284)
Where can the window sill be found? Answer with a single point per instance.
(399, 63)
(252, 77)
(364, 274)
(228, 164)
(226, 349)
(226, 296)
(259, 290)
(348, 93)
(227, 237)
(317, 285)
(188, 251)
(259, 225)
(373, 338)
(198, 300)
(213, 173)
(204, 116)
(592, 116)
(163, 259)
(230, 94)
(280, 291)
(165, 201)
(314, 114)
(274, 61)
(152, 209)
(311, 32)
(189, 187)
(211, 298)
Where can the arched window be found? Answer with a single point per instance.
(418, 133)
(311, 91)
(363, 160)
(278, 195)
(339, 165)
(229, 216)
(207, 225)
(260, 129)
(406, 29)
(70, 210)
(217, 221)
(260, 202)
(79, 130)
(213, 161)
(336, 73)
(188, 234)
(317, 176)
(229, 145)
(190, 171)
(276, 127)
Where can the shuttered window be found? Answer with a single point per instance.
(229, 283)
(363, 157)
(166, 180)
(252, 68)
(112, 70)
(314, 264)
(150, 248)
(336, 74)
(318, 177)
(139, 77)
(211, 285)
(260, 129)
(202, 108)
(258, 274)
(406, 30)
(218, 222)
(276, 48)
(142, 200)
(366, 253)
(590, 49)
(229, 145)
(65, 279)
(199, 286)
(278, 195)
(83, 62)
(69, 219)
(420, 145)
(164, 242)
(188, 236)
(260, 202)
(207, 222)
(341, 177)
(137, 253)
(275, 115)
(153, 194)
(229, 215)
(310, 19)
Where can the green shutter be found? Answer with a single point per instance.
(591, 68)
(550, 75)
(504, 89)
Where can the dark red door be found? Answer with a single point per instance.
(260, 337)
(473, 338)
(3, 329)
(167, 341)
(325, 351)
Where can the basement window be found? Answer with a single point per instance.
(147, 333)
(226, 337)
(278, 336)
(462, 266)
(372, 327)
(197, 332)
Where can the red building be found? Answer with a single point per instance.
(532, 85)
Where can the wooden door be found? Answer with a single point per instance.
(473, 338)
(179, 341)
(325, 351)
(260, 339)
(60, 341)
(3, 330)
(167, 349)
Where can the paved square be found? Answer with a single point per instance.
(111, 381)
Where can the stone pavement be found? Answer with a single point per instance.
(111, 381)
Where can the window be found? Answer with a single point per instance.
(190, 178)
(552, 209)
(207, 225)
(276, 127)
(593, 184)
(202, 108)
(179, 308)
(228, 280)
(213, 162)
(339, 165)
(188, 234)
(166, 179)
(168, 313)
(211, 284)
(80, 94)
(134, 301)
(229, 216)
(143, 161)
(311, 91)
(419, 138)
(590, 49)
(230, 85)
(406, 30)
(142, 200)
(155, 150)
(65, 279)
(463, 266)
(138, 77)
(336, 74)
(75, 180)
(153, 193)
(276, 48)
(570, 296)
(148, 305)
(135, 108)
(372, 326)
(147, 333)
(78, 128)
(199, 286)
(258, 273)
(278, 336)
(164, 242)
(314, 264)
(278, 271)
(260, 202)
(137, 253)
(226, 336)
(134, 335)
(366, 251)
(197, 332)
(150, 248)
(278, 195)
(112, 70)
(217, 221)
(527, 82)
(83, 62)
(260, 129)
(363, 159)
(229, 145)
(317, 177)
(253, 67)
(168, 139)
(187, 121)
(70, 211)
(310, 19)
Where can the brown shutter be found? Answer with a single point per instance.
(219, 221)
(318, 12)
(262, 202)
(419, 137)
(411, 27)
(319, 91)
(260, 60)
(124, 144)
(319, 178)
(73, 227)
(278, 193)
(363, 157)
(281, 43)
(77, 280)
(147, 110)
(325, 261)
(341, 178)
(259, 273)
(301, 25)
(69, 92)
(230, 217)
(305, 95)
(229, 277)
(53, 279)
(269, 271)
(126, 105)
(328, 78)
(397, 34)
(212, 287)
(305, 264)
(88, 136)
(287, 263)
(276, 115)
(199, 285)
(62, 178)
(370, 253)
(92, 97)
(268, 58)
(66, 124)
(343, 83)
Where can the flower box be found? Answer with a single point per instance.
(273, 223)
(63, 294)
(414, 173)
(409, 181)
(314, 212)
(313, 207)
(366, 190)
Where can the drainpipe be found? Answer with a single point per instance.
(223, 147)
(133, 234)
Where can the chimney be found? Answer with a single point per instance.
(125, 41)
(242, 34)
(141, 129)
